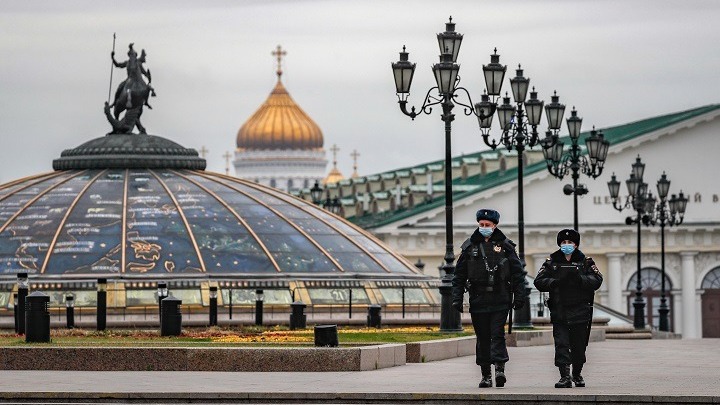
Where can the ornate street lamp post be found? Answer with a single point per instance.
(316, 193)
(560, 163)
(447, 79)
(637, 197)
(664, 212)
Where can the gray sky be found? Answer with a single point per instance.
(617, 61)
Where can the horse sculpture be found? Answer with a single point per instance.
(131, 95)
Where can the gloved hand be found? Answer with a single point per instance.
(458, 305)
(517, 304)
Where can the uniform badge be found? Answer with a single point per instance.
(497, 249)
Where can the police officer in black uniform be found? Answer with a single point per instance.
(491, 272)
(571, 278)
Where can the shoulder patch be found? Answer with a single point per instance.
(466, 244)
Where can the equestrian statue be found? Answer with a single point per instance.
(131, 95)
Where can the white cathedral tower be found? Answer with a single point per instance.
(280, 145)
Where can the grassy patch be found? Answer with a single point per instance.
(229, 337)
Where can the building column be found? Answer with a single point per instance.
(614, 282)
(688, 295)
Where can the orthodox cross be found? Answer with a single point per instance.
(279, 53)
(203, 152)
(334, 150)
(355, 155)
(227, 157)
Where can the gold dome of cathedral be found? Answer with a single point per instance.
(279, 123)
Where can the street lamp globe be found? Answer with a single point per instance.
(574, 123)
(316, 193)
(449, 41)
(505, 113)
(534, 108)
(403, 72)
(485, 110)
(519, 85)
(446, 73)
(555, 112)
(494, 74)
(663, 186)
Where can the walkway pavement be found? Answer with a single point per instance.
(618, 371)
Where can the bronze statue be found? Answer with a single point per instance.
(131, 95)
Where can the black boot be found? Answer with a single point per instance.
(500, 375)
(576, 377)
(486, 381)
(565, 381)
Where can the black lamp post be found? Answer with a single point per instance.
(518, 126)
(664, 212)
(637, 197)
(213, 305)
(259, 298)
(70, 310)
(101, 304)
(162, 291)
(447, 79)
(23, 288)
(560, 163)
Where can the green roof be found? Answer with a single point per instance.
(478, 183)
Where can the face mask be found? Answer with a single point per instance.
(568, 248)
(486, 231)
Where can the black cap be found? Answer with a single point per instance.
(568, 234)
(488, 215)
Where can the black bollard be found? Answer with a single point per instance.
(23, 290)
(326, 336)
(298, 319)
(37, 318)
(259, 298)
(373, 317)
(171, 319)
(101, 304)
(213, 306)
(70, 311)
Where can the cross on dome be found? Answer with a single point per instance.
(279, 53)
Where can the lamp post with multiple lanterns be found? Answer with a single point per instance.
(637, 200)
(662, 212)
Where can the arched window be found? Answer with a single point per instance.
(411, 200)
(651, 286)
(290, 184)
(503, 165)
(483, 167)
(711, 280)
(464, 172)
(273, 183)
(306, 183)
(525, 160)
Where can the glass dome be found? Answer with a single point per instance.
(177, 223)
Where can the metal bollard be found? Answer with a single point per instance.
(23, 289)
(171, 319)
(15, 310)
(298, 319)
(101, 316)
(213, 306)
(326, 335)
(70, 311)
(37, 318)
(373, 317)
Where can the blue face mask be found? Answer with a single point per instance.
(567, 249)
(486, 231)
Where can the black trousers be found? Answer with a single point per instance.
(570, 342)
(490, 331)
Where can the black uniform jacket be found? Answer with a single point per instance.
(571, 285)
(509, 275)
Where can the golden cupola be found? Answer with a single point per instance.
(279, 123)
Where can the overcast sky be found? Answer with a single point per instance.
(616, 61)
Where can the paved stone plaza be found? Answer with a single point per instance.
(619, 371)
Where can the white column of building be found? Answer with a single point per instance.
(614, 282)
(688, 295)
